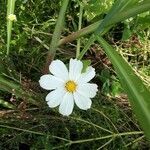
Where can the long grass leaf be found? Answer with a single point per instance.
(6, 104)
(138, 94)
(19, 91)
(56, 34)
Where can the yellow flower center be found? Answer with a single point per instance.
(71, 86)
(12, 17)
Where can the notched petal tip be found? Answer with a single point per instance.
(88, 75)
(90, 69)
(75, 69)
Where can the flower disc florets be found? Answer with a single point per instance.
(12, 17)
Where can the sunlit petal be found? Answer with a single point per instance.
(50, 82)
(59, 69)
(87, 76)
(67, 104)
(88, 89)
(54, 98)
(75, 68)
(81, 101)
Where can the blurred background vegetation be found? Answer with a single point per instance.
(24, 125)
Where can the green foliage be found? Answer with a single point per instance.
(110, 123)
(94, 8)
(92, 129)
(121, 11)
(111, 85)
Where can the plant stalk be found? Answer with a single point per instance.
(79, 28)
(56, 36)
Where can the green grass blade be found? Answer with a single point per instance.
(6, 104)
(19, 91)
(10, 10)
(56, 35)
(58, 27)
(138, 94)
(87, 46)
(79, 28)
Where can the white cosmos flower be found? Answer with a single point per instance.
(69, 87)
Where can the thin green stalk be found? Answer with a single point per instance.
(113, 136)
(101, 113)
(79, 28)
(135, 141)
(90, 123)
(73, 142)
(56, 35)
(32, 132)
(108, 136)
(58, 27)
(86, 47)
(10, 10)
(19, 129)
(108, 142)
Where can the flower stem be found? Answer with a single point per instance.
(56, 35)
(10, 10)
(79, 28)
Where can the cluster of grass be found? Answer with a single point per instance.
(105, 125)
(109, 124)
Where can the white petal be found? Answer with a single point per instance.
(87, 76)
(75, 68)
(67, 104)
(88, 89)
(50, 82)
(59, 69)
(81, 101)
(54, 98)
